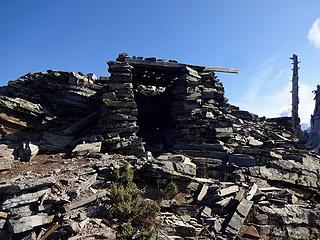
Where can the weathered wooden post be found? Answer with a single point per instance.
(295, 95)
(295, 100)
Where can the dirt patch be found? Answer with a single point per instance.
(41, 164)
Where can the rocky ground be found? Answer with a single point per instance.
(256, 194)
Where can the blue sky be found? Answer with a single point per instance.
(256, 37)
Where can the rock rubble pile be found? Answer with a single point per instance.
(237, 175)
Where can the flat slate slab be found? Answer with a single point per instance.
(27, 223)
(242, 160)
(238, 217)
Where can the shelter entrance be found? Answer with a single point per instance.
(154, 95)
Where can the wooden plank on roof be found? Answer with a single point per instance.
(155, 64)
(174, 65)
(225, 70)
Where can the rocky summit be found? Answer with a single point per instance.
(215, 171)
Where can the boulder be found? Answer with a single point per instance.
(86, 149)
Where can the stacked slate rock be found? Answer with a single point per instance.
(215, 109)
(201, 114)
(118, 121)
(186, 108)
(52, 109)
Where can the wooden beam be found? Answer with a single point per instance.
(174, 65)
(224, 70)
(154, 64)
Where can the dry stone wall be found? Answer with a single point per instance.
(118, 119)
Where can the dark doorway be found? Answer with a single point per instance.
(153, 91)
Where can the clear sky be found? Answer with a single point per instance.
(256, 37)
